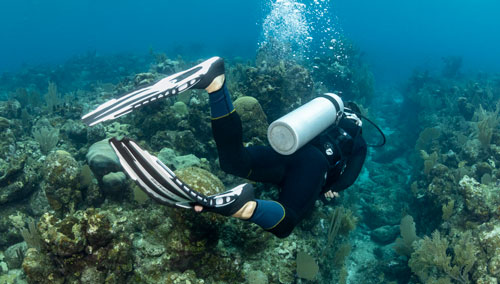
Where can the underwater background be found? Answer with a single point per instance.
(425, 209)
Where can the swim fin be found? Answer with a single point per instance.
(163, 186)
(197, 77)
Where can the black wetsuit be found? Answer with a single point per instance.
(301, 176)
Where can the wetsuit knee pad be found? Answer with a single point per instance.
(268, 214)
(274, 217)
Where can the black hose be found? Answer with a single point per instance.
(372, 123)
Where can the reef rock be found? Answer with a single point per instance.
(113, 182)
(95, 133)
(169, 158)
(83, 249)
(280, 87)
(61, 181)
(166, 66)
(201, 180)
(62, 237)
(180, 109)
(10, 109)
(253, 118)
(7, 143)
(4, 123)
(188, 276)
(19, 177)
(117, 129)
(38, 203)
(194, 234)
(76, 131)
(385, 234)
(38, 268)
(102, 159)
(465, 108)
(8, 173)
(480, 200)
(144, 79)
(14, 255)
(181, 141)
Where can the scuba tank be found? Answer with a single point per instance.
(295, 129)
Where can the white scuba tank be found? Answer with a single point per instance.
(295, 129)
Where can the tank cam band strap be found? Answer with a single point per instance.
(336, 104)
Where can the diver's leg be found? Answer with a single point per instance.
(302, 186)
(227, 133)
(258, 163)
(219, 98)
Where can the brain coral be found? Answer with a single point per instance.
(200, 180)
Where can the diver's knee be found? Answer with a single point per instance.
(232, 167)
(226, 166)
(286, 226)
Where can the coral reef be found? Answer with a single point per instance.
(55, 170)
(440, 166)
(201, 180)
(61, 181)
(341, 70)
(432, 262)
(113, 183)
(279, 88)
(169, 157)
(102, 159)
(81, 247)
(253, 118)
(18, 179)
(457, 177)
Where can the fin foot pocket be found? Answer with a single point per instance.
(229, 202)
(216, 69)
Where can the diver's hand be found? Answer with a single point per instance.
(331, 194)
(198, 208)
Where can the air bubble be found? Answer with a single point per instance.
(294, 30)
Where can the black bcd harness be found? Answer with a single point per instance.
(339, 141)
(337, 144)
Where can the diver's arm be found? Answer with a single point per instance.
(353, 167)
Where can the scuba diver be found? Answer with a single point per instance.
(316, 150)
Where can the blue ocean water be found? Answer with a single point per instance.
(396, 36)
(49, 32)
(426, 72)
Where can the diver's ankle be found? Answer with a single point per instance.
(216, 84)
(246, 211)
